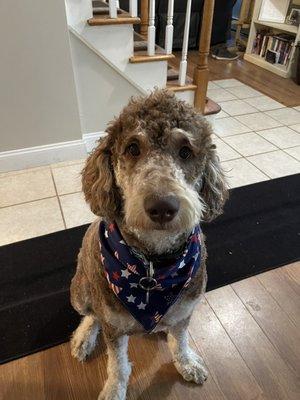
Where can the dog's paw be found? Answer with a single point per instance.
(80, 348)
(84, 338)
(113, 391)
(192, 369)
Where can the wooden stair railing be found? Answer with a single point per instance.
(201, 72)
(147, 51)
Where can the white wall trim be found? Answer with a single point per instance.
(49, 154)
(91, 140)
(42, 155)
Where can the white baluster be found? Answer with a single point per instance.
(151, 29)
(169, 28)
(133, 9)
(112, 8)
(183, 62)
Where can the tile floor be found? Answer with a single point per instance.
(257, 139)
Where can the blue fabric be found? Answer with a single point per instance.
(124, 271)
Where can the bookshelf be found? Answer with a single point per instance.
(256, 25)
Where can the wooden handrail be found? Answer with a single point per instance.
(201, 71)
(144, 17)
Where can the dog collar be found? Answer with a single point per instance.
(146, 293)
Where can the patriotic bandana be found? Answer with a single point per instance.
(146, 292)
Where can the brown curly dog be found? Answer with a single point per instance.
(155, 176)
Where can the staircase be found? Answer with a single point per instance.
(113, 62)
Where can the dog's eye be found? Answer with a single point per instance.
(185, 152)
(133, 149)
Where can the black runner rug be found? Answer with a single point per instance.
(260, 230)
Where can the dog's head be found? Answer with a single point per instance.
(157, 169)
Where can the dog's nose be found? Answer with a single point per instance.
(161, 209)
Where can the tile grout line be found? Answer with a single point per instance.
(257, 154)
(257, 132)
(27, 202)
(242, 156)
(251, 162)
(267, 140)
(274, 143)
(35, 200)
(58, 199)
(38, 168)
(291, 154)
(54, 166)
(33, 170)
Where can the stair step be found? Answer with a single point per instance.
(142, 56)
(140, 51)
(125, 18)
(173, 74)
(103, 11)
(175, 87)
(102, 8)
(140, 46)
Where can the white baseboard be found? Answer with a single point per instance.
(42, 155)
(91, 140)
(49, 154)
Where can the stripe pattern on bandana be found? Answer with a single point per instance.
(145, 292)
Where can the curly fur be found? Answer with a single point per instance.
(158, 115)
(115, 185)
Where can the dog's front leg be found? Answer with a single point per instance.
(189, 364)
(118, 369)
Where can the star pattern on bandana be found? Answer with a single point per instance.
(131, 299)
(124, 270)
(141, 306)
(125, 273)
(116, 275)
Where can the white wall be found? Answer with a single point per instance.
(38, 103)
(102, 91)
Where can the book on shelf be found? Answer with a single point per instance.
(274, 48)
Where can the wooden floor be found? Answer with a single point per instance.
(248, 334)
(283, 90)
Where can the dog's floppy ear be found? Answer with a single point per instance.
(98, 181)
(214, 190)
